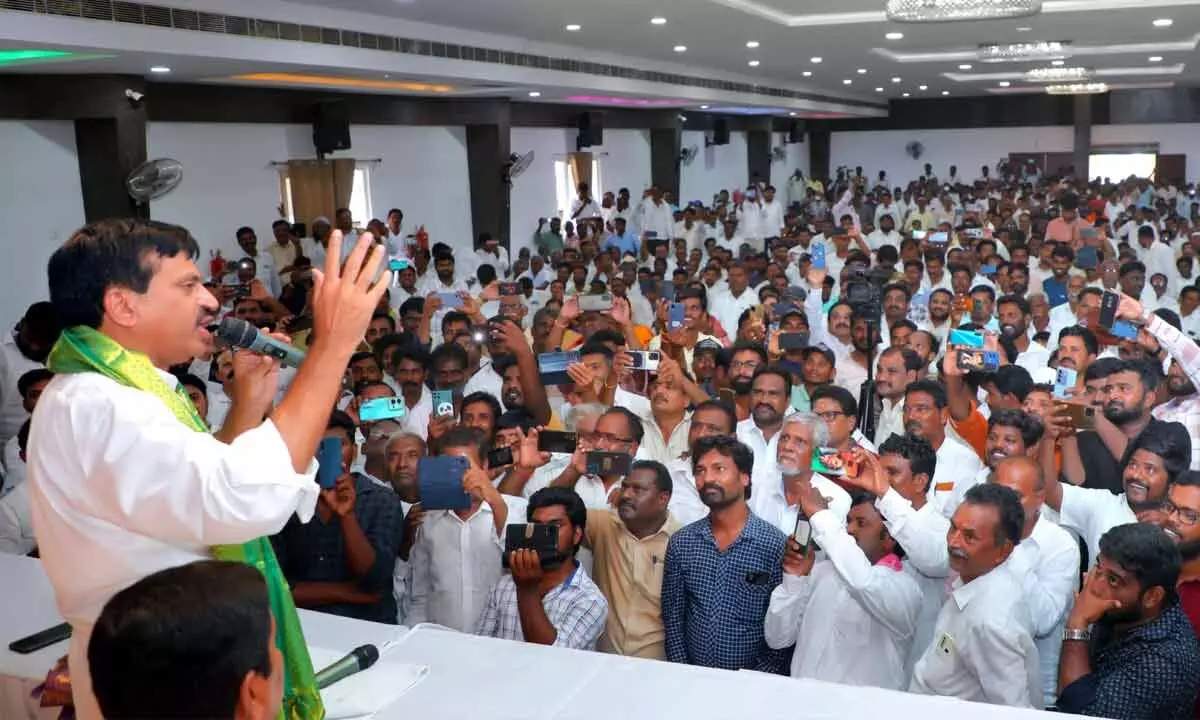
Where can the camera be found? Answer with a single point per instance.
(864, 291)
(134, 97)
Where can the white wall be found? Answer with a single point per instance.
(715, 168)
(624, 162)
(228, 179)
(968, 149)
(797, 157)
(42, 204)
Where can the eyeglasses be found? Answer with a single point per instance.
(831, 415)
(610, 438)
(748, 364)
(1186, 515)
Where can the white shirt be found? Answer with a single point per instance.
(851, 622)
(956, 464)
(1034, 357)
(120, 489)
(455, 563)
(314, 251)
(14, 466)
(769, 502)
(891, 420)
(12, 366)
(1048, 563)
(657, 218)
(581, 209)
(771, 218)
(16, 527)
(416, 420)
(685, 504)
(727, 308)
(1092, 512)
(764, 450)
(665, 450)
(637, 404)
(486, 380)
(499, 261)
(983, 648)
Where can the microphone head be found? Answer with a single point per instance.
(235, 332)
(366, 654)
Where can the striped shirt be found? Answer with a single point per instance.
(576, 608)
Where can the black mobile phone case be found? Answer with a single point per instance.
(531, 536)
(39, 640)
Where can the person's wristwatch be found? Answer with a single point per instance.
(1084, 635)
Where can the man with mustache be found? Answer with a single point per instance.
(628, 546)
(939, 324)
(709, 419)
(669, 420)
(1155, 459)
(744, 361)
(983, 648)
(770, 403)
(851, 371)
(1128, 648)
(898, 368)
(719, 571)
(926, 412)
(783, 482)
(1013, 311)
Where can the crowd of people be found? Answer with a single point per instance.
(939, 437)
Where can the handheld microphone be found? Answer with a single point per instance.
(359, 659)
(240, 333)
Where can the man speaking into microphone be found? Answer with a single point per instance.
(124, 479)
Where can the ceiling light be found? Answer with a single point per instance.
(862, 71)
(945, 92)
(534, 93)
(753, 63)
(895, 36)
(965, 66)
(658, 21)
(344, 82)
(807, 73)
(847, 81)
(792, 114)
(1024, 52)
(680, 48)
(573, 28)
(1163, 22)
(895, 79)
(1077, 89)
(922, 87)
(752, 44)
(1058, 63)
(878, 89)
(1004, 83)
(904, 95)
(1024, 28)
(1058, 74)
(927, 11)
(703, 107)
(165, 69)
(816, 60)
(1153, 58)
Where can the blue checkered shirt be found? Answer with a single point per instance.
(714, 602)
(577, 610)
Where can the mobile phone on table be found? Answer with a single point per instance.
(540, 537)
(386, 408)
(552, 367)
(500, 457)
(817, 253)
(1064, 378)
(600, 462)
(675, 316)
(450, 300)
(329, 462)
(557, 441)
(984, 361)
(41, 639)
(644, 359)
(443, 403)
(595, 303)
(439, 483)
(967, 338)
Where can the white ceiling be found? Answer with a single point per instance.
(847, 34)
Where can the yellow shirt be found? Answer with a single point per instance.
(629, 572)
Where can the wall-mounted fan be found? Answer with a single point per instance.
(915, 150)
(517, 164)
(153, 179)
(688, 154)
(778, 154)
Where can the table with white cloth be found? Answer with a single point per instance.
(488, 679)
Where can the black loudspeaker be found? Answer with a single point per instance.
(796, 130)
(331, 127)
(720, 134)
(591, 129)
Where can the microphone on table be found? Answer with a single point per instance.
(359, 659)
(242, 334)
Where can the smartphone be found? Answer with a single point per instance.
(443, 403)
(1125, 330)
(650, 234)
(241, 291)
(556, 441)
(531, 536)
(644, 359)
(967, 338)
(41, 639)
(666, 291)
(1087, 234)
(793, 341)
(439, 482)
(984, 361)
(1108, 310)
(1083, 417)
(1065, 378)
(329, 462)
(649, 286)
(977, 307)
(604, 463)
(817, 253)
(595, 303)
(973, 233)
(510, 289)
(398, 264)
(919, 234)
(450, 300)
(1087, 258)
(386, 408)
(940, 238)
(802, 533)
(675, 316)
(500, 457)
(987, 270)
(552, 367)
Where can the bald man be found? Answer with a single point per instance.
(1047, 560)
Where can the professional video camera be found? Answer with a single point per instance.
(864, 291)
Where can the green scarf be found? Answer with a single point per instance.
(82, 349)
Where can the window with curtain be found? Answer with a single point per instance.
(311, 188)
(567, 175)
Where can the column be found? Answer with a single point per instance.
(488, 148)
(1083, 135)
(665, 144)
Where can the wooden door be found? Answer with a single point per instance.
(1172, 168)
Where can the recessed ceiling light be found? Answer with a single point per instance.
(895, 36)
(905, 95)
(878, 89)
(807, 73)
(1163, 22)
(847, 81)
(1024, 28)
(945, 92)
(965, 66)
(680, 48)
(752, 44)
(1153, 58)
(1058, 63)
(895, 79)
(792, 114)
(573, 28)
(1005, 83)
(862, 71)
(922, 87)
(165, 69)
(534, 93)
(816, 60)
(658, 21)
(703, 107)
(753, 63)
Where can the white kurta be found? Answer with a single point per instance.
(120, 489)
